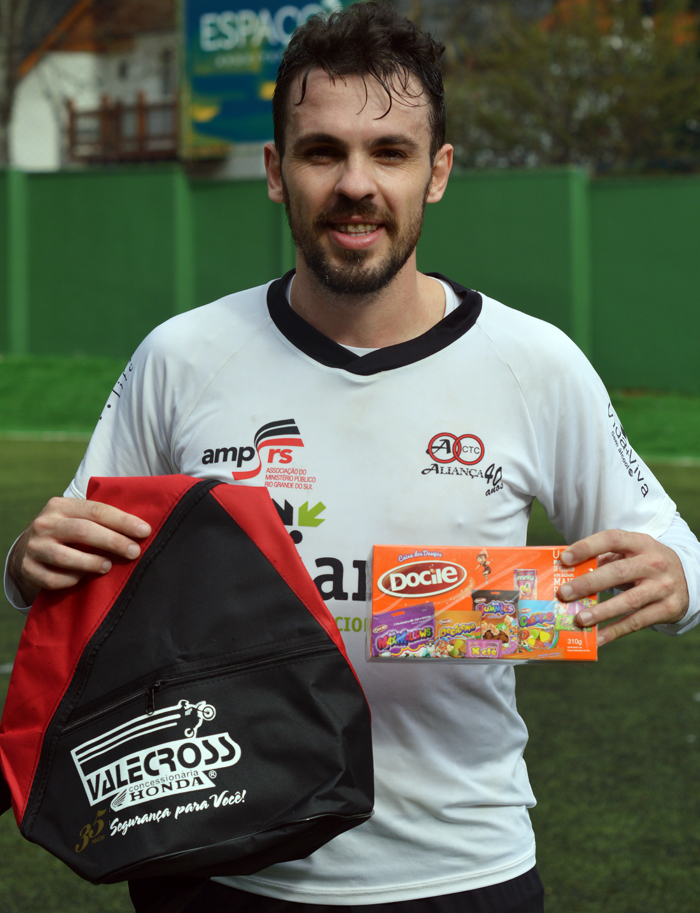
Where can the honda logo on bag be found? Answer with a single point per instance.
(422, 578)
(133, 765)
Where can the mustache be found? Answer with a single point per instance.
(364, 209)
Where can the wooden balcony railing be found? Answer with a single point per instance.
(117, 132)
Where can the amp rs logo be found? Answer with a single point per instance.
(273, 444)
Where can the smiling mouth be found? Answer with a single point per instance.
(358, 228)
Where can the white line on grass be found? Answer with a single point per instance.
(6, 668)
(692, 462)
(77, 437)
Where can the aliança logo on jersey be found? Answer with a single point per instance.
(466, 449)
(462, 455)
(134, 763)
(272, 445)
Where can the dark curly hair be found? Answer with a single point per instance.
(366, 39)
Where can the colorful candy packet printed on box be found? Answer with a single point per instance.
(475, 604)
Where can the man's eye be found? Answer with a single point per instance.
(395, 155)
(321, 152)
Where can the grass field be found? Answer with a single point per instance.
(66, 395)
(32, 881)
(615, 746)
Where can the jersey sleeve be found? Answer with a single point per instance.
(683, 541)
(591, 478)
(133, 435)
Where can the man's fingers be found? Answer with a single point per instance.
(607, 558)
(616, 541)
(648, 574)
(627, 624)
(613, 575)
(71, 538)
(112, 518)
(41, 576)
(47, 544)
(60, 555)
(623, 604)
(89, 524)
(645, 604)
(621, 627)
(103, 515)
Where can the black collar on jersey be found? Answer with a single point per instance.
(324, 350)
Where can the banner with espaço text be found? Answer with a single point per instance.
(232, 49)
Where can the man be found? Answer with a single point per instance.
(373, 361)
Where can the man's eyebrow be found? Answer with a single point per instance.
(327, 139)
(316, 139)
(397, 139)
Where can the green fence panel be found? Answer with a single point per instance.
(91, 261)
(4, 252)
(18, 303)
(238, 237)
(646, 276)
(101, 259)
(14, 261)
(518, 236)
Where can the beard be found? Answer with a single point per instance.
(349, 272)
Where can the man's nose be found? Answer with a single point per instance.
(356, 180)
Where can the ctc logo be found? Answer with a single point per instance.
(467, 449)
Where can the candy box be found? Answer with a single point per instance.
(455, 631)
(525, 582)
(475, 605)
(403, 630)
(499, 617)
(537, 622)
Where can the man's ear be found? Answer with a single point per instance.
(273, 169)
(442, 165)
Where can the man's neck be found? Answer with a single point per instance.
(407, 307)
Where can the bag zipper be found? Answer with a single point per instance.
(149, 692)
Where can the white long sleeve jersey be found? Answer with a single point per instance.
(444, 439)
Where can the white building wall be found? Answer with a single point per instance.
(150, 66)
(37, 131)
(39, 112)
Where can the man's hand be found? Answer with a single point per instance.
(651, 575)
(71, 538)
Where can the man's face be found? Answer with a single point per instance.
(355, 181)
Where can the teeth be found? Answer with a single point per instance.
(356, 229)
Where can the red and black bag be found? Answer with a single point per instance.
(191, 713)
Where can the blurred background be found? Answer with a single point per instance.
(131, 138)
(132, 188)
